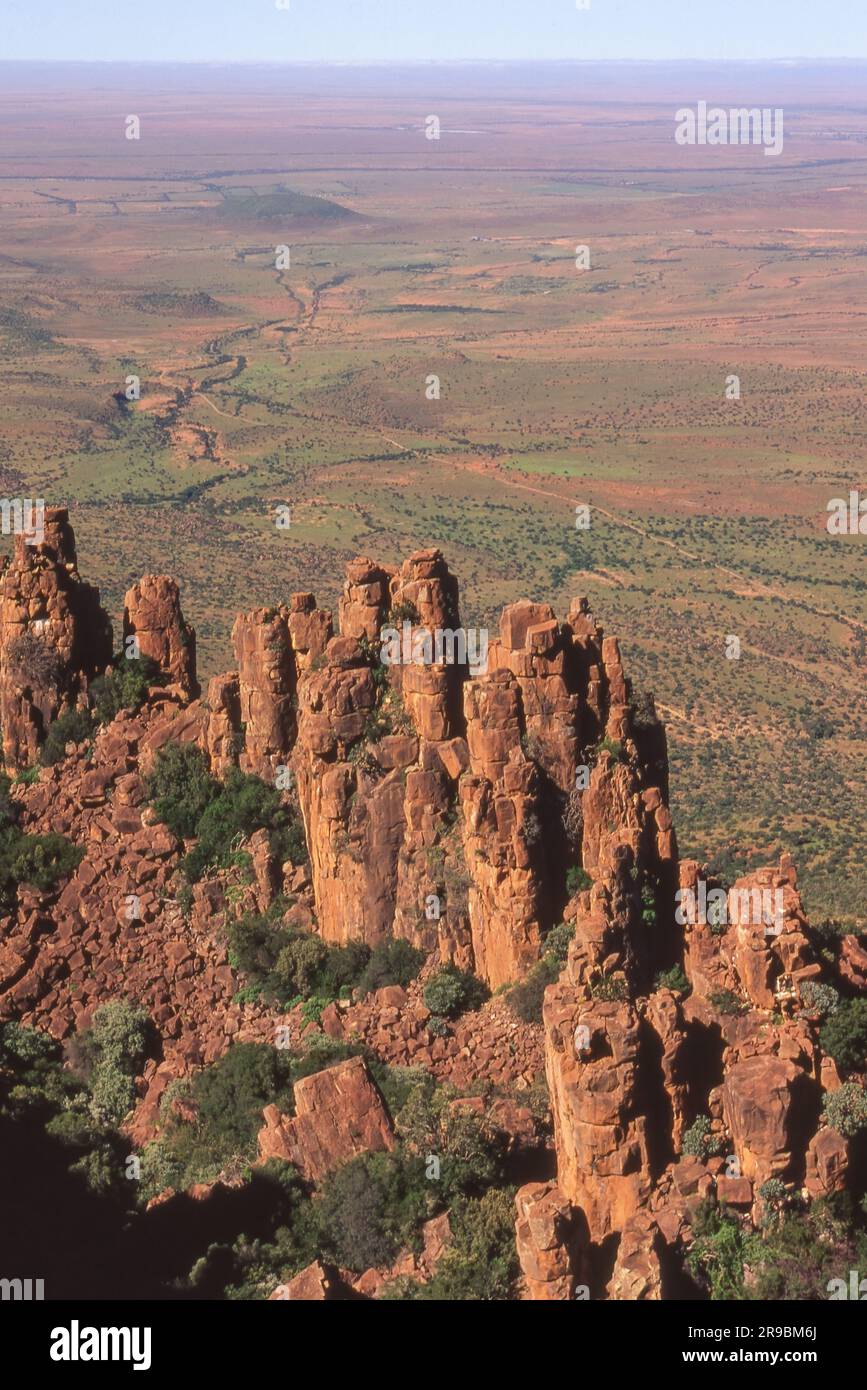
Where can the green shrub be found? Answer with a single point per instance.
(301, 965)
(100, 1167)
(227, 1098)
(610, 989)
(344, 967)
(288, 842)
(42, 860)
(25, 1049)
(388, 717)
(577, 881)
(9, 808)
(556, 943)
(612, 746)
(256, 940)
(181, 788)
(76, 726)
(773, 1191)
(313, 1008)
(120, 1035)
(699, 1141)
(716, 1256)
(396, 1084)
(31, 1071)
(125, 687)
(799, 1252)
(402, 612)
(526, 999)
(241, 806)
(193, 804)
(791, 1259)
(843, 1035)
(248, 994)
(846, 1109)
(725, 1001)
(288, 964)
(370, 1208)
(111, 1053)
(451, 992)
(818, 998)
(433, 1121)
(674, 979)
(319, 1052)
(39, 860)
(392, 962)
(251, 1268)
(27, 776)
(481, 1264)
(36, 1089)
(113, 1094)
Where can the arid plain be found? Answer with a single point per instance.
(410, 258)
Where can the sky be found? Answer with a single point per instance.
(429, 30)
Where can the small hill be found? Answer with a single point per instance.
(280, 204)
(197, 305)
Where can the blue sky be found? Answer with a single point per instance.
(382, 30)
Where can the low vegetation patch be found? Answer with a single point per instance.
(287, 966)
(526, 998)
(373, 1207)
(846, 1109)
(674, 979)
(40, 861)
(699, 1141)
(67, 1134)
(109, 1056)
(725, 1001)
(577, 881)
(843, 1035)
(125, 687)
(220, 815)
(451, 992)
(794, 1257)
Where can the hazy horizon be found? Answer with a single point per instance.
(410, 31)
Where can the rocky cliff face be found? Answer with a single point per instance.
(631, 1066)
(433, 792)
(152, 617)
(54, 637)
(467, 808)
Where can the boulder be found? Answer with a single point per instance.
(315, 1284)
(339, 1114)
(544, 1232)
(764, 1102)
